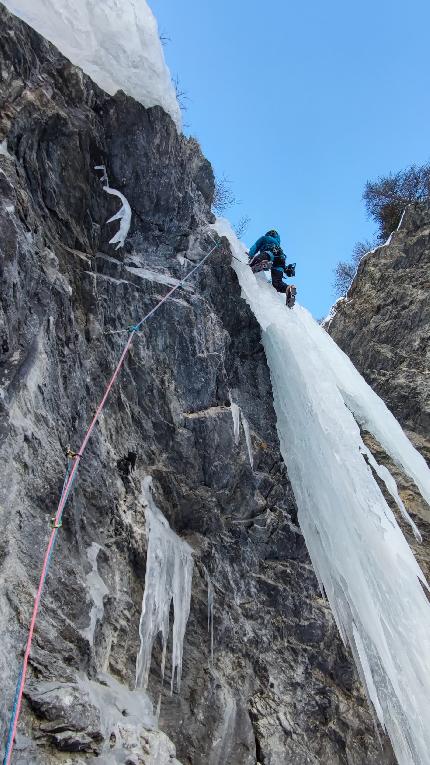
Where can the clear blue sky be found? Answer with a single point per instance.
(298, 104)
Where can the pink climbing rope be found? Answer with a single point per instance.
(63, 499)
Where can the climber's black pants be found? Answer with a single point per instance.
(277, 282)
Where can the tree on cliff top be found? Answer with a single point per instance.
(385, 200)
(346, 269)
(387, 197)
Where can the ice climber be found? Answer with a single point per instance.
(267, 253)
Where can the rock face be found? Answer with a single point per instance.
(384, 324)
(281, 688)
(384, 327)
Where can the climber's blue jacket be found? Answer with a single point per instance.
(271, 245)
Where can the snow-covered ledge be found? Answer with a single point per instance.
(115, 42)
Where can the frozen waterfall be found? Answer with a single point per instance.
(362, 560)
(169, 571)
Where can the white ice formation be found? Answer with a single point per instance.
(3, 149)
(113, 699)
(169, 571)
(97, 590)
(123, 215)
(235, 413)
(115, 42)
(362, 560)
(128, 724)
(211, 597)
(237, 416)
(247, 432)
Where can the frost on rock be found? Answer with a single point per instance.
(362, 560)
(169, 571)
(116, 42)
(123, 215)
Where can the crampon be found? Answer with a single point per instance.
(290, 295)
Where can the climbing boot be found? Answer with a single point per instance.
(260, 262)
(290, 295)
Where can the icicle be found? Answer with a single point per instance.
(210, 614)
(385, 476)
(247, 432)
(235, 413)
(361, 557)
(169, 569)
(238, 415)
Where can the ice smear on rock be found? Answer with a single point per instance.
(97, 589)
(116, 42)
(113, 700)
(247, 432)
(169, 570)
(237, 416)
(359, 553)
(127, 724)
(235, 413)
(3, 149)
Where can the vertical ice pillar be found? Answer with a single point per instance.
(363, 562)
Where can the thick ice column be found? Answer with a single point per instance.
(361, 558)
(169, 570)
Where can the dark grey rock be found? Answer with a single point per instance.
(384, 326)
